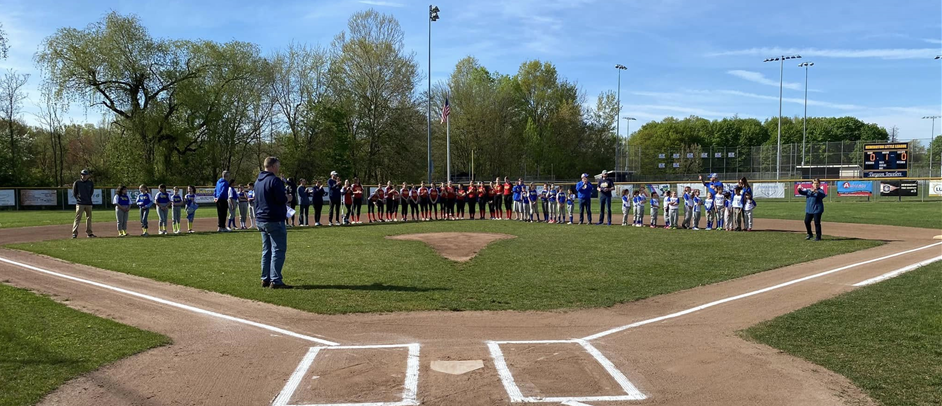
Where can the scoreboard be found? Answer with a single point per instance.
(886, 160)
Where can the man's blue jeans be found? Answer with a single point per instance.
(605, 203)
(274, 246)
(585, 207)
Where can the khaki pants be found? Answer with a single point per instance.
(79, 209)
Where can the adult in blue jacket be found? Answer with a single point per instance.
(605, 198)
(270, 213)
(814, 208)
(221, 197)
(584, 190)
(333, 194)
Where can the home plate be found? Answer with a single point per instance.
(457, 367)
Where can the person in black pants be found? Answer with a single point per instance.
(333, 193)
(814, 208)
(221, 197)
(291, 192)
(317, 200)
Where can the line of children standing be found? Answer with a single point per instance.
(724, 211)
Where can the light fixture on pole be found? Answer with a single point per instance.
(620, 68)
(804, 123)
(781, 78)
(627, 134)
(931, 136)
(432, 16)
(938, 57)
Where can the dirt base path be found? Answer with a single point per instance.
(675, 349)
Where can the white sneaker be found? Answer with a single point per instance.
(694, 228)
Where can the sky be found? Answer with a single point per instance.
(872, 59)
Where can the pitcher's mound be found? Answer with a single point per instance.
(455, 246)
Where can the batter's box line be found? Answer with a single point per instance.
(516, 396)
(410, 387)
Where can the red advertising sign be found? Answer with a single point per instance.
(807, 185)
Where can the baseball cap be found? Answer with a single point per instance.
(604, 172)
(585, 175)
(85, 172)
(332, 173)
(713, 175)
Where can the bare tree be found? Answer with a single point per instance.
(11, 104)
(50, 119)
(4, 47)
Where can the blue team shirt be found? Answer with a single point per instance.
(162, 197)
(560, 197)
(518, 190)
(143, 200)
(533, 195)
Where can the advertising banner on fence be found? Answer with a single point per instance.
(807, 185)
(619, 188)
(935, 188)
(768, 190)
(38, 197)
(7, 197)
(899, 188)
(854, 188)
(203, 195)
(693, 186)
(96, 197)
(660, 188)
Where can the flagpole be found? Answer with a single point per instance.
(448, 146)
(472, 165)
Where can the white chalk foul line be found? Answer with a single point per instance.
(410, 387)
(898, 272)
(753, 293)
(516, 396)
(173, 304)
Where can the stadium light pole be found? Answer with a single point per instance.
(781, 79)
(432, 16)
(804, 123)
(627, 133)
(931, 135)
(620, 68)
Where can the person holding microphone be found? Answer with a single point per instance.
(584, 190)
(814, 207)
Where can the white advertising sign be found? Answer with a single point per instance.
(693, 186)
(769, 190)
(96, 197)
(7, 197)
(935, 188)
(38, 197)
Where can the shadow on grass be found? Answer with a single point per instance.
(373, 287)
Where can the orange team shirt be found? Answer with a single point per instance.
(414, 194)
(380, 194)
(404, 193)
(493, 192)
(393, 194)
(433, 193)
(482, 191)
(472, 193)
(507, 189)
(462, 194)
(498, 189)
(357, 191)
(423, 191)
(450, 192)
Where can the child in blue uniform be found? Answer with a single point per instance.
(655, 209)
(176, 202)
(122, 205)
(710, 206)
(190, 203)
(626, 205)
(162, 199)
(143, 203)
(697, 205)
(561, 205)
(570, 204)
(688, 207)
(747, 209)
(534, 199)
(674, 209)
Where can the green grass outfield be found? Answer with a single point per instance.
(356, 269)
(908, 214)
(886, 338)
(44, 344)
(30, 218)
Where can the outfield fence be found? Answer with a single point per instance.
(838, 190)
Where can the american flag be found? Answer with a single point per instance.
(445, 111)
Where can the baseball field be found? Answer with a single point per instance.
(479, 313)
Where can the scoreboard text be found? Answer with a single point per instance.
(886, 160)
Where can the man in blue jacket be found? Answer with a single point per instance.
(333, 194)
(584, 190)
(605, 198)
(270, 214)
(221, 197)
(814, 207)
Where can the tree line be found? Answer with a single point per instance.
(180, 111)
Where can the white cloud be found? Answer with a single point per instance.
(382, 3)
(933, 40)
(795, 100)
(898, 53)
(680, 109)
(761, 79)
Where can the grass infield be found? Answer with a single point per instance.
(356, 269)
(44, 343)
(27, 218)
(907, 214)
(886, 338)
